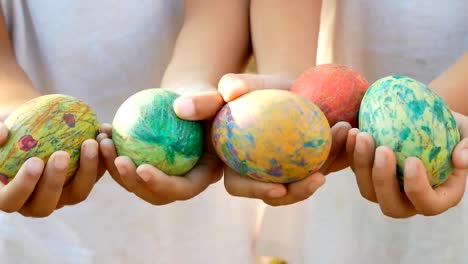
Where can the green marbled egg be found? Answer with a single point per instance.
(407, 116)
(147, 130)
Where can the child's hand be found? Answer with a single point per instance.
(37, 189)
(232, 86)
(375, 171)
(151, 184)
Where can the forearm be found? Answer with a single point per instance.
(214, 40)
(452, 85)
(15, 86)
(285, 35)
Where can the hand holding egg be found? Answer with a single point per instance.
(418, 149)
(49, 157)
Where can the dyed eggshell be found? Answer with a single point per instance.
(147, 130)
(407, 116)
(336, 89)
(44, 125)
(272, 136)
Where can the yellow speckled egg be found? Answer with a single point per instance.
(272, 136)
(44, 125)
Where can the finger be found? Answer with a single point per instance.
(107, 149)
(82, 183)
(350, 145)
(101, 163)
(426, 200)
(15, 194)
(127, 172)
(207, 171)
(198, 106)
(299, 191)
(3, 134)
(363, 157)
(462, 123)
(339, 136)
(243, 186)
(106, 128)
(47, 193)
(231, 86)
(101, 136)
(392, 201)
(460, 155)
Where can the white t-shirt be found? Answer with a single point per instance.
(102, 52)
(419, 38)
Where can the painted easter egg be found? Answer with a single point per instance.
(44, 125)
(335, 88)
(407, 116)
(148, 131)
(272, 136)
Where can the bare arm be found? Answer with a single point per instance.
(285, 35)
(452, 85)
(15, 86)
(213, 41)
(37, 189)
(285, 39)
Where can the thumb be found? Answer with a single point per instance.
(231, 86)
(198, 106)
(460, 153)
(338, 148)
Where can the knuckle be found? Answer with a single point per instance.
(378, 180)
(7, 209)
(397, 214)
(54, 183)
(432, 211)
(302, 194)
(38, 212)
(77, 197)
(413, 190)
(158, 202)
(368, 195)
(187, 195)
(273, 203)
(279, 202)
(230, 189)
(388, 212)
(30, 179)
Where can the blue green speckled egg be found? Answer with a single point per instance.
(407, 116)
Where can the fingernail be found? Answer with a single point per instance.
(276, 193)
(90, 152)
(107, 141)
(361, 145)
(101, 137)
(465, 157)
(410, 169)
(34, 166)
(121, 169)
(144, 176)
(185, 106)
(227, 85)
(380, 158)
(60, 162)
